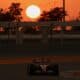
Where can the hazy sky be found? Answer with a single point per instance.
(72, 6)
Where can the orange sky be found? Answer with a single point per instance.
(72, 6)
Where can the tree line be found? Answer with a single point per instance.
(14, 13)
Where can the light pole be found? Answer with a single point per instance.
(62, 40)
(64, 9)
(63, 5)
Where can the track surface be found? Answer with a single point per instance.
(9, 48)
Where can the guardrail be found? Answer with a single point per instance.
(45, 26)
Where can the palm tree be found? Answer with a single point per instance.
(15, 11)
(12, 14)
(55, 14)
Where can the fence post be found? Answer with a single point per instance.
(9, 30)
(19, 38)
(44, 34)
(62, 36)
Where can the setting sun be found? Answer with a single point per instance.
(33, 11)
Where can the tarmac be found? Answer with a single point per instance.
(55, 47)
(14, 58)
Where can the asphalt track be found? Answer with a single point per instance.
(54, 47)
(14, 57)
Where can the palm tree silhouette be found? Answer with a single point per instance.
(15, 10)
(13, 13)
(55, 14)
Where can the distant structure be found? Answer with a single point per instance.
(64, 9)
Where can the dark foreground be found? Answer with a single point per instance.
(20, 72)
(16, 68)
(9, 48)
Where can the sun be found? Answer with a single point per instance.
(33, 11)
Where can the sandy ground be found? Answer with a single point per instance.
(52, 59)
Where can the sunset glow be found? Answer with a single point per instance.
(72, 6)
(33, 11)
